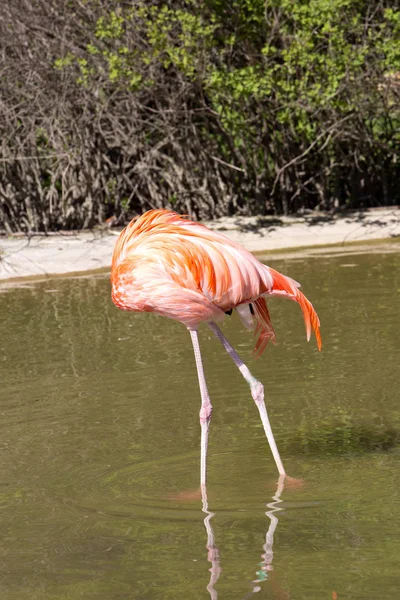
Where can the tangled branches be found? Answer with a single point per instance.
(107, 111)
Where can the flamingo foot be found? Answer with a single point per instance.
(186, 495)
(292, 483)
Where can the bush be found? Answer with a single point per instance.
(210, 108)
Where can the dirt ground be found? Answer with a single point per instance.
(42, 256)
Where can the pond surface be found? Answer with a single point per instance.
(99, 446)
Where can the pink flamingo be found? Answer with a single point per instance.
(169, 265)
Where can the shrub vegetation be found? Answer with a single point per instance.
(209, 107)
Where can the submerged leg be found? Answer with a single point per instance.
(257, 392)
(205, 410)
(213, 552)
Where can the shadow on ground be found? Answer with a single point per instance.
(265, 224)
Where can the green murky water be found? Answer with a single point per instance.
(99, 446)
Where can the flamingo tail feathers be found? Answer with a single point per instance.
(310, 318)
(264, 328)
(287, 288)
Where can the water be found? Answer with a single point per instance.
(99, 446)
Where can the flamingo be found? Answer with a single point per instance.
(178, 268)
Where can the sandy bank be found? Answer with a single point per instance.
(86, 251)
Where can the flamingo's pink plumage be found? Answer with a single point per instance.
(178, 268)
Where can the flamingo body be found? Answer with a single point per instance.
(180, 269)
(166, 264)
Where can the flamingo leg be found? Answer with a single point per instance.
(213, 552)
(205, 410)
(257, 392)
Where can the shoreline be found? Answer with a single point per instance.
(77, 253)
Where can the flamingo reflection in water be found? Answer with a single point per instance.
(265, 570)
